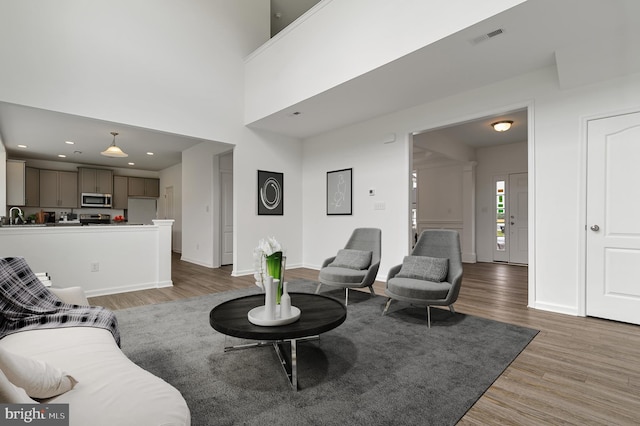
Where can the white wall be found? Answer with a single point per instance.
(200, 183)
(439, 199)
(171, 66)
(493, 161)
(555, 168)
(157, 64)
(67, 254)
(276, 154)
(376, 165)
(363, 35)
(172, 177)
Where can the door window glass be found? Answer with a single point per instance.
(500, 214)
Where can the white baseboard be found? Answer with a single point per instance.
(469, 258)
(196, 262)
(127, 288)
(559, 309)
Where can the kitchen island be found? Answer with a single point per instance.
(102, 259)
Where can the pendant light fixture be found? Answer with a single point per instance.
(502, 126)
(113, 150)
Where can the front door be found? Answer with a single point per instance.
(613, 218)
(512, 219)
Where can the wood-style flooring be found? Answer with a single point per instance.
(581, 371)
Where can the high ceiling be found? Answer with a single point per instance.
(535, 34)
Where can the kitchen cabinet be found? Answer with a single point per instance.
(99, 181)
(15, 182)
(58, 189)
(120, 192)
(144, 187)
(32, 187)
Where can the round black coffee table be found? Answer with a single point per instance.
(318, 314)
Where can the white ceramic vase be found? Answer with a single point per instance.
(285, 302)
(270, 288)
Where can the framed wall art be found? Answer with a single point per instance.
(339, 186)
(270, 193)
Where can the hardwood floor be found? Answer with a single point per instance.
(582, 371)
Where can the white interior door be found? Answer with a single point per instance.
(226, 217)
(518, 218)
(613, 218)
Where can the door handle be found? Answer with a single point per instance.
(595, 228)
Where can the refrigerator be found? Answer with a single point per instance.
(142, 211)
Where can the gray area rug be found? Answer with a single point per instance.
(371, 370)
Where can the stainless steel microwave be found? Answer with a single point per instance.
(95, 200)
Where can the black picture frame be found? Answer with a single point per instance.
(270, 193)
(339, 192)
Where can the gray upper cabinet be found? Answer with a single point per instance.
(58, 189)
(98, 181)
(120, 192)
(32, 187)
(144, 187)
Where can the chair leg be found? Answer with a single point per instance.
(373, 293)
(386, 308)
(346, 296)
(453, 311)
(429, 316)
(318, 288)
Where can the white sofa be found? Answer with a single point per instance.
(111, 390)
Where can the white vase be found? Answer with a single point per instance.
(285, 302)
(270, 288)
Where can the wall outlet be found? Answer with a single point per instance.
(95, 267)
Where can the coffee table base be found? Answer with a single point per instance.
(289, 363)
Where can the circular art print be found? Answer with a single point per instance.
(270, 193)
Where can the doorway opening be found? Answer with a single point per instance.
(462, 175)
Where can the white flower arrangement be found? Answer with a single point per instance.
(265, 248)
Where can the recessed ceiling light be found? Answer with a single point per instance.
(131, 164)
(149, 153)
(69, 142)
(62, 156)
(22, 146)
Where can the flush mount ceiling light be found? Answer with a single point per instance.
(502, 126)
(113, 150)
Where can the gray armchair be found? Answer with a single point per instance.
(431, 276)
(355, 266)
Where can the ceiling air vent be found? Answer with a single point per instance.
(487, 36)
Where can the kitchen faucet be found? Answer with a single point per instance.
(15, 222)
